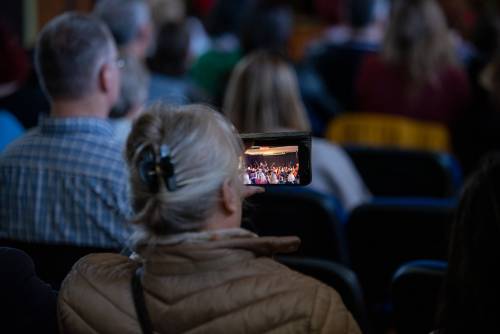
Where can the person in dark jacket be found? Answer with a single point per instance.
(27, 304)
(471, 301)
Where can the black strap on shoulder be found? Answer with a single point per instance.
(140, 304)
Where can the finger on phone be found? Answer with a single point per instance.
(251, 190)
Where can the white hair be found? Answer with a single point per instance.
(205, 151)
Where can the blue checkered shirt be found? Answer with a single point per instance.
(65, 182)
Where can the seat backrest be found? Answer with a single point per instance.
(337, 276)
(314, 217)
(416, 287)
(382, 130)
(382, 236)
(53, 261)
(409, 173)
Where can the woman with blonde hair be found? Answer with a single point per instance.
(263, 96)
(417, 74)
(194, 269)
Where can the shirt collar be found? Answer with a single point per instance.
(72, 125)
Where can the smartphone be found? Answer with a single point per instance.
(277, 159)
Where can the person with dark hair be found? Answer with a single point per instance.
(267, 27)
(471, 300)
(211, 70)
(338, 56)
(65, 181)
(130, 23)
(27, 304)
(169, 82)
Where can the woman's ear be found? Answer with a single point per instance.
(231, 199)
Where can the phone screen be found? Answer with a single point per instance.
(277, 159)
(272, 165)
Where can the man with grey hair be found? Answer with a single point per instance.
(66, 181)
(130, 23)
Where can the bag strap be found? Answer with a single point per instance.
(140, 304)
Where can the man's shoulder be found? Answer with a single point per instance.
(26, 139)
(79, 154)
(91, 143)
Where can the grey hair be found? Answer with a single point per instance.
(69, 52)
(123, 17)
(133, 88)
(205, 152)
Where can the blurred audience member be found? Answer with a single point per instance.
(27, 304)
(20, 92)
(267, 27)
(169, 82)
(486, 42)
(11, 129)
(195, 269)
(14, 63)
(175, 11)
(201, 8)
(417, 74)
(212, 69)
(130, 23)
(329, 10)
(164, 11)
(65, 181)
(133, 95)
(337, 59)
(263, 96)
(471, 301)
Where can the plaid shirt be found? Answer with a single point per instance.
(65, 182)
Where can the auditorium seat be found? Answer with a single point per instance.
(315, 218)
(384, 130)
(53, 261)
(416, 288)
(392, 172)
(385, 234)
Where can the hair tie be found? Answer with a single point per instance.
(152, 166)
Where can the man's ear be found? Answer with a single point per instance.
(105, 78)
(230, 197)
(145, 37)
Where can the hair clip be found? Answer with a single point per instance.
(147, 169)
(167, 168)
(151, 166)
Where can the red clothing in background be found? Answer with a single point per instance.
(383, 88)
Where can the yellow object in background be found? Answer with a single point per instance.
(381, 130)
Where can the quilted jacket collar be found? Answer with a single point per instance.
(213, 253)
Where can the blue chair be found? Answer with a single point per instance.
(314, 217)
(405, 173)
(416, 288)
(11, 129)
(383, 235)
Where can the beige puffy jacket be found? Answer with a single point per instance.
(222, 286)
